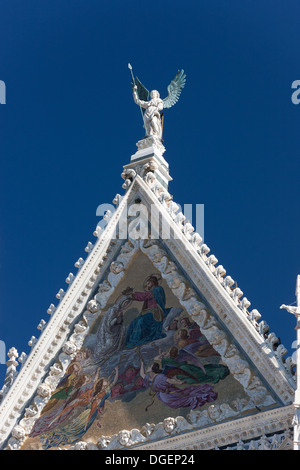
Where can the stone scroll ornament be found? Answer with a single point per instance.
(151, 109)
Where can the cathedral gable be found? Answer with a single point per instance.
(151, 341)
(145, 362)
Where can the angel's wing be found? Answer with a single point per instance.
(142, 91)
(186, 354)
(174, 89)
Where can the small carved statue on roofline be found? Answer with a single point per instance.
(153, 107)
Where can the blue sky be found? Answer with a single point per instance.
(70, 124)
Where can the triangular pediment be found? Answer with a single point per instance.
(152, 363)
(122, 363)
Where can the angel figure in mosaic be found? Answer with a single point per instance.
(153, 107)
(66, 386)
(186, 366)
(92, 405)
(59, 409)
(169, 390)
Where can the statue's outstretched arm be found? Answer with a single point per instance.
(137, 100)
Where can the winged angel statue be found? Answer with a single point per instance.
(153, 106)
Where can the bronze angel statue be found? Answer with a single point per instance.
(154, 106)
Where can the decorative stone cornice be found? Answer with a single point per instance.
(229, 432)
(268, 430)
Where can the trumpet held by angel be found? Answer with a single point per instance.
(152, 103)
